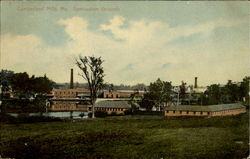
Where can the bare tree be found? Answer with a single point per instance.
(92, 72)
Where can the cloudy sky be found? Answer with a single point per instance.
(139, 41)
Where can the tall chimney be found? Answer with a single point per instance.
(71, 86)
(195, 82)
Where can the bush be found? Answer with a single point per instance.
(113, 114)
(25, 118)
(6, 118)
(98, 114)
(81, 115)
(128, 112)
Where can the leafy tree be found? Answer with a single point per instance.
(158, 95)
(147, 101)
(232, 91)
(133, 100)
(92, 72)
(21, 85)
(183, 89)
(41, 85)
(111, 87)
(213, 93)
(244, 90)
(6, 76)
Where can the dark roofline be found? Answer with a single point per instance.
(210, 108)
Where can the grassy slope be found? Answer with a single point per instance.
(129, 137)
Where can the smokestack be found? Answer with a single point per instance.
(71, 86)
(195, 82)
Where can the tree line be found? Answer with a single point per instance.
(160, 94)
(23, 85)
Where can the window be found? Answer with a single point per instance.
(117, 96)
(194, 112)
(107, 96)
(167, 111)
(174, 111)
(187, 112)
(201, 113)
(180, 112)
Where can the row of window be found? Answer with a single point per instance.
(63, 106)
(112, 96)
(64, 93)
(110, 109)
(187, 112)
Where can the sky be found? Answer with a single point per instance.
(138, 41)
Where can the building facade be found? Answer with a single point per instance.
(68, 93)
(212, 110)
(67, 106)
(112, 106)
(121, 93)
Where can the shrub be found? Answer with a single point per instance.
(128, 112)
(113, 114)
(100, 114)
(6, 118)
(81, 115)
(25, 118)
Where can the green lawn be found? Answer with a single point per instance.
(148, 137)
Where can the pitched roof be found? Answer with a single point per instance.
(113, 104)
(210, 108)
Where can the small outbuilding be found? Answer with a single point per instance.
(211, 110)
(109, 106)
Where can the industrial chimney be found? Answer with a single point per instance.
(71, 85)
(195, 82)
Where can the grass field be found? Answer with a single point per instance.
(146, 137)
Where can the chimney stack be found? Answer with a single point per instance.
(195, 82)
(71, 86)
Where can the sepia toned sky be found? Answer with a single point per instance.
(138, 41)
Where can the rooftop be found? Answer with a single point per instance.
(210, 108)
(113, 104)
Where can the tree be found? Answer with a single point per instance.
(133, 100)
(5, 82)
(92, 72)
(183, 89)
(158, 95)
(41, 85)
(213, 93)
(244, 90)
(21, 84)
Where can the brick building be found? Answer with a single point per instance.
(212, 110)
(68, 93)
(121, 93)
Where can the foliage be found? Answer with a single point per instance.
(159, 94)
(133, 100)
(23, 106)
(92, 72)
(82, 114)
(25, 118)
(98, 114)
(244, 90)
(24, 86)
(6, 77)
(229, 93)
(183, 88)
(128, 112)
